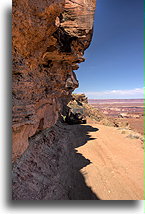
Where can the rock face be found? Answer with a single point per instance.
(43, 171)
(50, 168)
(79, 104)
(49, 39)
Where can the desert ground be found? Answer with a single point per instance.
(114, 163)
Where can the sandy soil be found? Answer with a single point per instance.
(115, 168)
(135, 124)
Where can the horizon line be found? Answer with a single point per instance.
(115, 98)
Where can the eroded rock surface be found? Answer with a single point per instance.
(79, 105)
(43, 171)
(49, 39)
(50, 168)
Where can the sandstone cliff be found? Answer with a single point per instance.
(49, 39)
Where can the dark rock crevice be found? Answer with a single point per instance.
(64, 40)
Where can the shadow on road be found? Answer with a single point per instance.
(79, 190)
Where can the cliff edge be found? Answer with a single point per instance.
(48, 41)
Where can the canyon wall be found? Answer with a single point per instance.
(48, 41)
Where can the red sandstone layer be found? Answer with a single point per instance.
(49, 39)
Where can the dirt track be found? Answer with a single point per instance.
(115, 170)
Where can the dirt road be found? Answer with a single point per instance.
(115, 168)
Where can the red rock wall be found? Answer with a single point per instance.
(49, 38)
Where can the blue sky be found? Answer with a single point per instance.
(114, 60)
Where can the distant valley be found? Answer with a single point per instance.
(130, 110)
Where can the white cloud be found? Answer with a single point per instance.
(131, 93)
